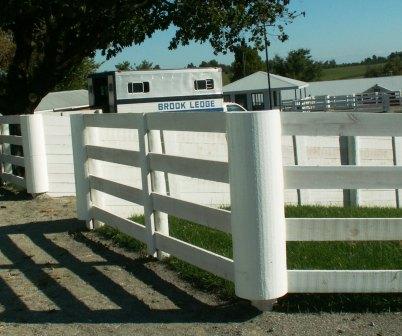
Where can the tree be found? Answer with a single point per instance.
(7, 50)
(278, 66)
(247, 61)
(373, 71)
(297, 65)
(77, 77)
(54, 36)
(328, 64)
(146, 65)
(124, 66)
(393, 66)
(210, 64)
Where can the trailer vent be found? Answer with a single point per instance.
(204, 84)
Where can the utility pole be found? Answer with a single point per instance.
(267, 65)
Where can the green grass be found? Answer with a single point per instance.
(300, 255)
(346, 72)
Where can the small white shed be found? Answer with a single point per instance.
(252, 91)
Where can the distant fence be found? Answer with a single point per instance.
(35, 178)
(257, 180)
(377, 102)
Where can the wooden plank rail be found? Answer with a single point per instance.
(343, 177)
(206, 260)
(198, 168)
(343, 229)
(122, 191)
(114, 155)
(11, 120)
(126, 226)
(11, 139)
(17, 180)
(342, 124)
(14, 160)
(189, 121)
(344, 281)
(217, 219)
(113, 120)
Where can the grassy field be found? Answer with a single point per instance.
(346, 72)
(300, 255)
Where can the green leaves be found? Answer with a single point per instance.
(52, 37)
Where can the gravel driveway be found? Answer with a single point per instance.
(58, 279)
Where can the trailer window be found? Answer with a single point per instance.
(204, 84)
(141, 87)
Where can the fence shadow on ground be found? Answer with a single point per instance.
(13, 195)
(14, 306)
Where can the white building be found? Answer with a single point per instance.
(64, 101)
(252, 91)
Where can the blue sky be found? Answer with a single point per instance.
(344, 30)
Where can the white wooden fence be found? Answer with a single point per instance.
(35, 179)
(257, 182)
(376, 102)
(6, 159)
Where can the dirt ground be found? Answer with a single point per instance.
(58, 279)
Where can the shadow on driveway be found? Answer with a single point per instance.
(70, 307)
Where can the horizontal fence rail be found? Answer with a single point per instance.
(213, 218)
(10, 120)
(17, 180)
(343, 177)
(341, 124)
(126, 226)
(339, 229)
(122, 191)
(189, 122)
(254, 141)
(113, 155)
(197, 168)
(336, 281)
(125, 121)
(12, 159)
(11, 139)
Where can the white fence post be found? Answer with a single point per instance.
(350, 155)
(158, 183)
(354, 159)
(33, 142)
(300, 159)
(397, 157)
(82, 186)
(154, 221)
(91, 137)
(257, 205)
(386, 104)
